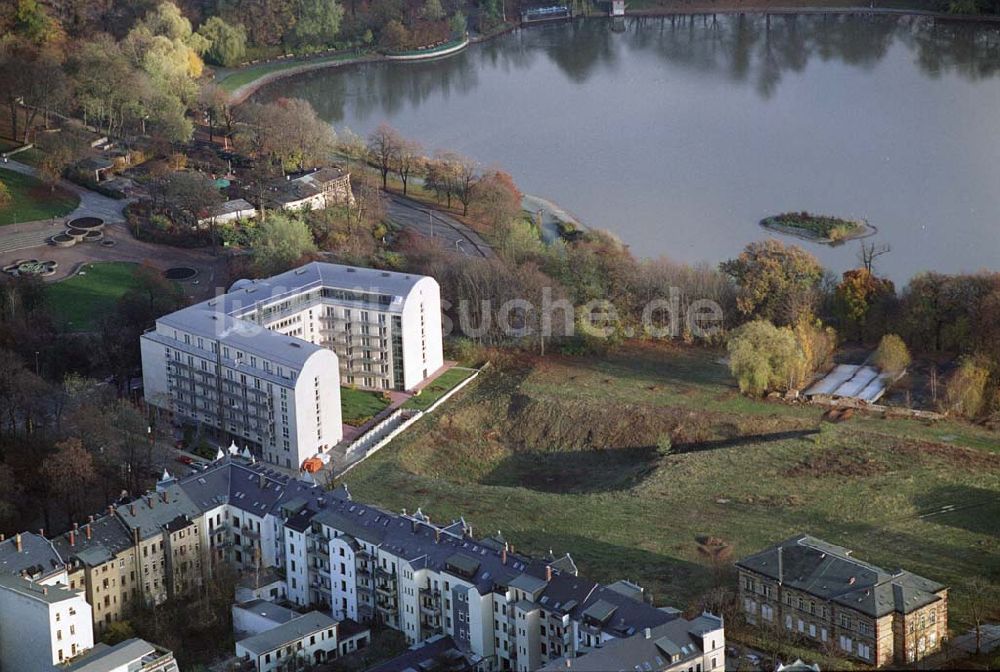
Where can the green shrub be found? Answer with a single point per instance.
(892, 355)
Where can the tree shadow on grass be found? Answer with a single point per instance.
(964, 507)
(578, 472)
(744, 440)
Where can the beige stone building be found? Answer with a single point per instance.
(823, 595)
(100, 560)
(164, 527)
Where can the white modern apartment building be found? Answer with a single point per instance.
(41, 625)
(263, 364)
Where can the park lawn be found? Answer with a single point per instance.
(31, 199)
(439, 387)
(359, 406)
(563, 454)
(82, 299)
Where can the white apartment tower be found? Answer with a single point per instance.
(263, 363)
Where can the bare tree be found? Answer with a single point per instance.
(407, 161)
(984, 599)
(869, 252)
(383, 146)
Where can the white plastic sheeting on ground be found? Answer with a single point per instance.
(848, 380)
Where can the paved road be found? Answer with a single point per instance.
(424, 221)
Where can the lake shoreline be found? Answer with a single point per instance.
(240, 94)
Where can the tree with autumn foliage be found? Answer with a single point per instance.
(857, 295)
(70, 473)
(776, 282)
(496, 199)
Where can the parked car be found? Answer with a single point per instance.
(184, 459)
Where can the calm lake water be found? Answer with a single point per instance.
(681, 135)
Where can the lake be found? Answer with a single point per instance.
(680, 134)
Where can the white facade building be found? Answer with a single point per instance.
(263, 363)
(41, 625)
(311, 637)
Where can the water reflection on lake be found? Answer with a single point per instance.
(680, 134)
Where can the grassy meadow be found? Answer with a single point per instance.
(625, 461)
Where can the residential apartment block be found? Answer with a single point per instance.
(825, 595)
(100, 559)
(358, 563)
(41, 625)
(403, 571)
(262, 364)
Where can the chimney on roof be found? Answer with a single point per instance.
(86, 529)
(131, 508)
(17, 542)
(781, 565)
(404, 511)
(548, 572)
(649, 633)
(166, 499)
(90, 519)
(149, 501)
(41, 532)
(72, 538)
(111, 509)
(569, 662)
(503, 556)
(437, 536)
(45, 590)
(2, 537)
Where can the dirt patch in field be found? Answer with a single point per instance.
(956, 456)
(838, 461)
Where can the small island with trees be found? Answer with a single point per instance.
(818, 228)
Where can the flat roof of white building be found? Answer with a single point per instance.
(221, 317)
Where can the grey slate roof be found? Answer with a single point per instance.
(103, 657)
(275, 613)
(422, 656)
(37, 558)
(153, 512)
(639, 652)
(292, 631)
(831, 573)
(36, 591)
(108, 538)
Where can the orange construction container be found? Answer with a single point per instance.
(312, 465)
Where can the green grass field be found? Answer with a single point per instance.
(84, 298)
(437, 389)
(562, 454)
(360, 406)
(31, 200)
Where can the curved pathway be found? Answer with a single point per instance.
(25, 235)
(430, 222)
